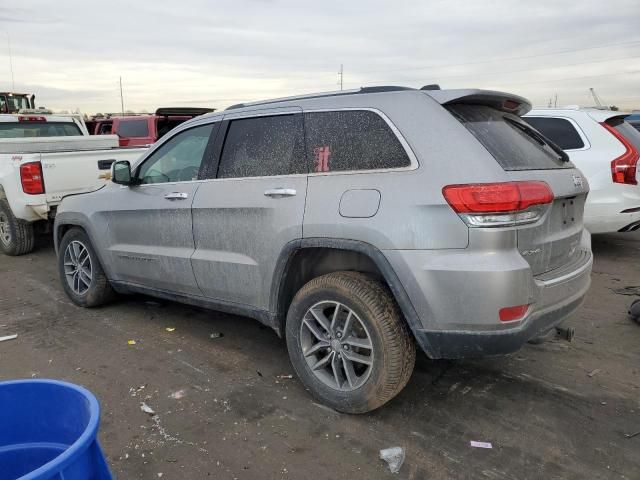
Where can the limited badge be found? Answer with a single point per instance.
(577, 181)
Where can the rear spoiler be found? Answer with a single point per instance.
(506, 102)
(606, 115)
(183, 111)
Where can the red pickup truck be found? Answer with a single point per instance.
(136, 130)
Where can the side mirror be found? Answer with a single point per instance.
(121, 173)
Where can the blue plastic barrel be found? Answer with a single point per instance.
(48, 432)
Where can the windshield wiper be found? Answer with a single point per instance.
(539, 138)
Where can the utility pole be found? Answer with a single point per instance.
(121, 98)
(555, 101)
(341, 74)
(13, 83)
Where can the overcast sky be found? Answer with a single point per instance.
(215, 53)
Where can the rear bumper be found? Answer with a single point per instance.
(457, 300)
(558, 301)
(603, 212)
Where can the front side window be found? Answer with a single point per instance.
(558, 130)
(178, 159)
(263, 147)
(352, 140)
(133, 128)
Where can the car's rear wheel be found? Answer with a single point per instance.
(81, 273)
(348, 342)
(16, 236)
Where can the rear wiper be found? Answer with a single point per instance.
(539, 138)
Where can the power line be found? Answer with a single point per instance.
(502, 72)
(502, 59)
(617, 74)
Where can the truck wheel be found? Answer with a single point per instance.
(16, 236)
(81, 274)
(348, 342)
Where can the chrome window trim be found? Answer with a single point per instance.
(413, 159)
(290, 110)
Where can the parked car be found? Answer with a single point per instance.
(138, 130)
(605, 148)
(357, 224)
(44, 157)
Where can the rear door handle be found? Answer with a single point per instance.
(280, 192)
(176, 196)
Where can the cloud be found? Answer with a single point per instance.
(172, 53)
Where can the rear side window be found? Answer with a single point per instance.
(512, 142)
(351, 140)
(38, 129)
(133, 128)
(559, 130)
(263, 147)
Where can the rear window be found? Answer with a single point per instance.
(133, 128)
(559, 130)
(514, 144)
(38, 129)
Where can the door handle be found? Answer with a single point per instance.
(280, 192)
(176, 196)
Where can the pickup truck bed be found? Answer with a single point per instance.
(59, 166)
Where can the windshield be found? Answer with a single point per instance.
(512, 142)
(38, 129)
(13, 103)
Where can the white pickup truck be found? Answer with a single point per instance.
(43, 158)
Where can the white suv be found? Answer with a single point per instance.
(606, 148)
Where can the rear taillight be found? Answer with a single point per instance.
(624, 168)
(31, 178)
(499, 204)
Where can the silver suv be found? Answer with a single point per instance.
(357, 224)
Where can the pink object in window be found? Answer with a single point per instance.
(322, 155)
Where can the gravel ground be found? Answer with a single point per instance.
(226, 408)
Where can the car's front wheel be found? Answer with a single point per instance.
(348, 342)
(81, 274)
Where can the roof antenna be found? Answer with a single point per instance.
(432, 86)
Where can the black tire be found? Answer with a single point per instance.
(393, 349)
(99, 291)
(634, 310)
(16, 236)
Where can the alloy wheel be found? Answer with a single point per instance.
(5, 232)
(336, 345)
(77, 267)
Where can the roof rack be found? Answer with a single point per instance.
(379, 89)
(166, 111)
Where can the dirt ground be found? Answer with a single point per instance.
(557, 410)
